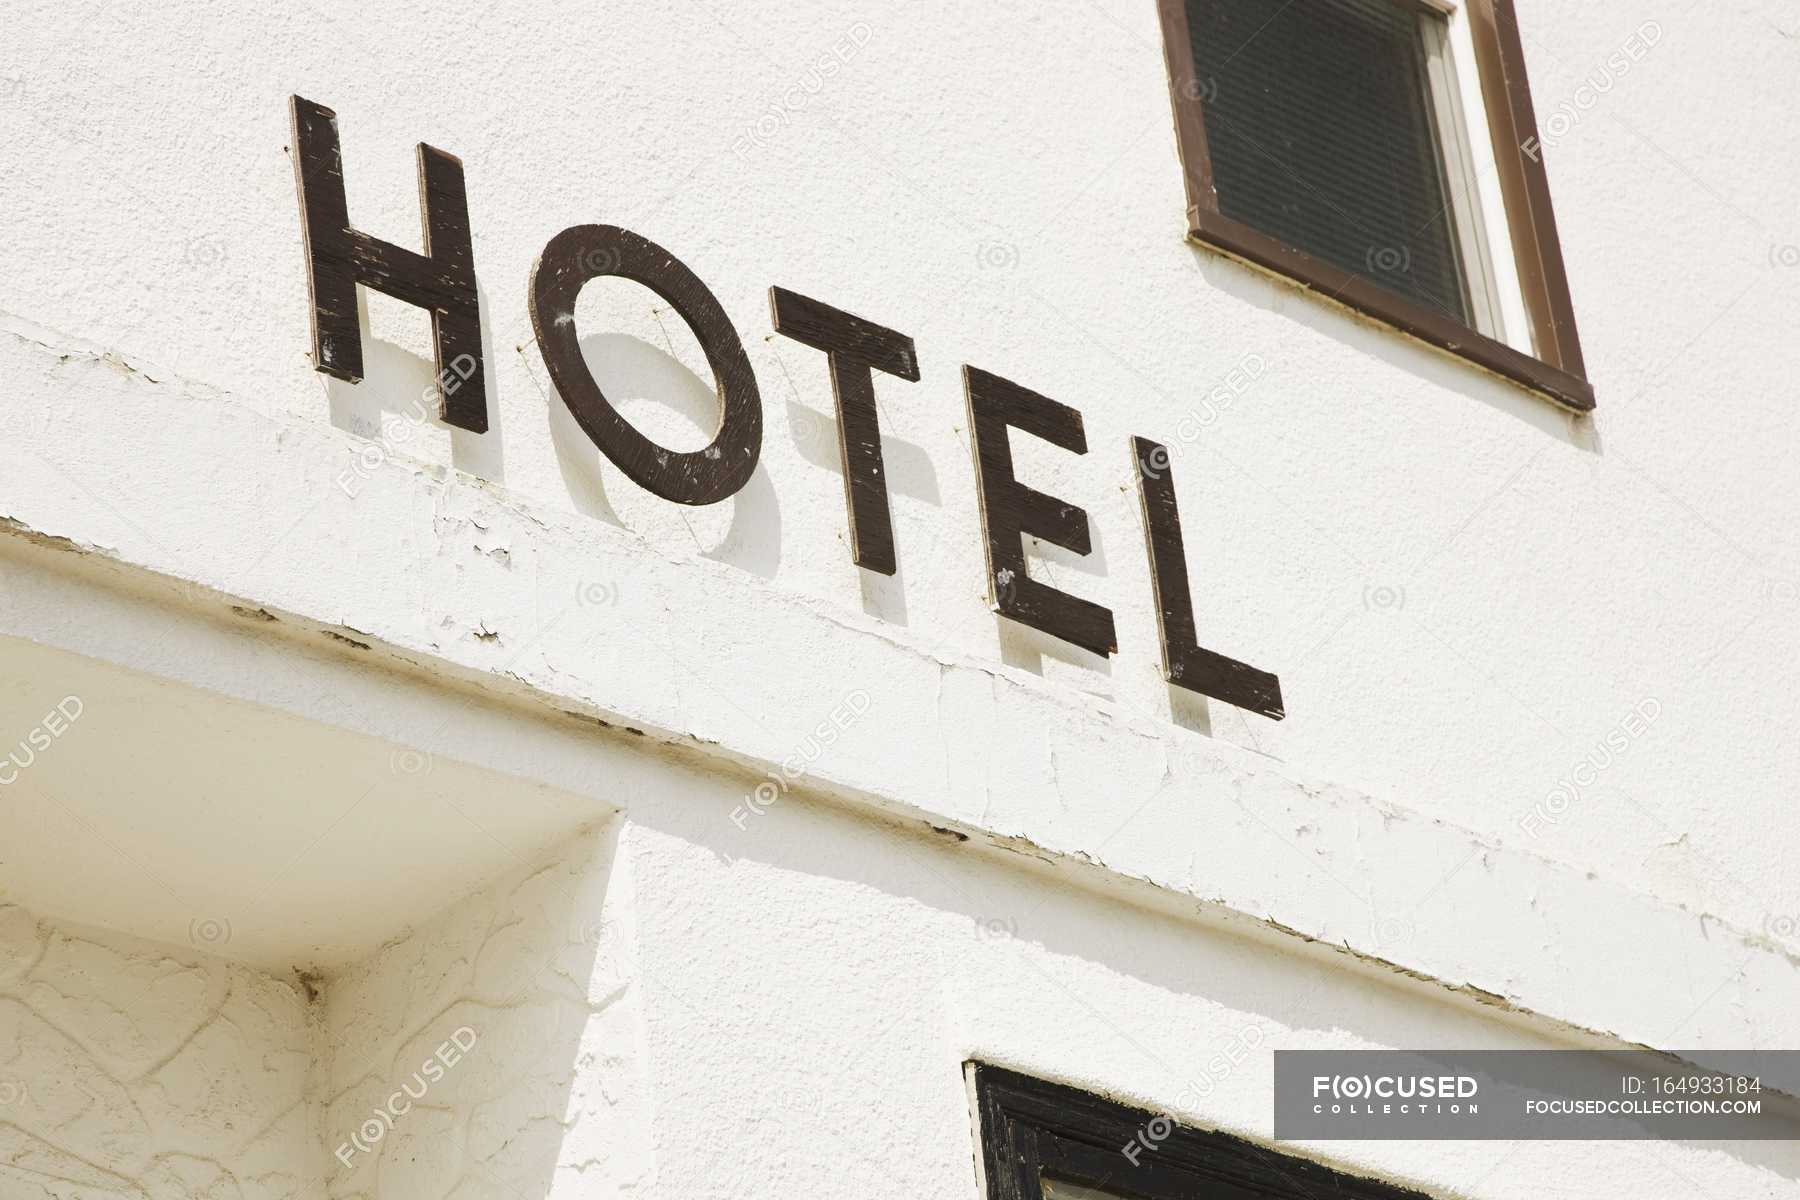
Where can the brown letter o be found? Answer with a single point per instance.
(585, 252)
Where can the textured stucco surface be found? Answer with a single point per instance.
(684, 1002)
(134, 1070)
(530, 978)
(131, 1070)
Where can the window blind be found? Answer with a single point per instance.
(1322, 134)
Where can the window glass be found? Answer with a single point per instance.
(1322, 134)
(1056, 1189)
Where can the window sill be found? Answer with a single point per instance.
(1219, 232)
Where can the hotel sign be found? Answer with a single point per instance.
(442, 281)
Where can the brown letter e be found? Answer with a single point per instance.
(1010, 509)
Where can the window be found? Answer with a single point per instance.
(1327, 141)
(1043, 1141)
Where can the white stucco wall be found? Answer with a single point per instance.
(666, 1006)
(129, 1069)
(689, 1001)
(813, 988)
(1462, 591)
(136, 1070)
(518, 997)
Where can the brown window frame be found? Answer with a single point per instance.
(1032, 1129)
(1557, 370)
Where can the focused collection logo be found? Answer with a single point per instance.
(1395, 1095)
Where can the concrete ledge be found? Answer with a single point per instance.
(440, 574)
